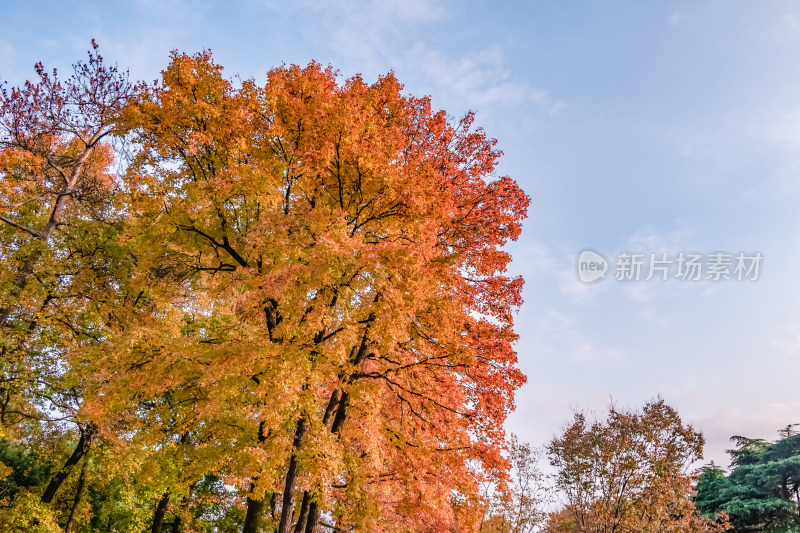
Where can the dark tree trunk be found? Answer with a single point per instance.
(341, 414)
(255, 507)
(302, 518)
(331, 408)
(252, 520)
(80, 450)
(313, 518)
(78, 496)
(340, 408)
(161, 511)
(308, 521)
(291, 478)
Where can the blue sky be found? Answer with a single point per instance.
(635, 126)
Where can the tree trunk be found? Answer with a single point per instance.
(302, 518)
(340, 408)
(341, 414)
(176, 524)
(252, 520)
(255, 508)
(291, 478)
(313, 518)
(331, 408)
(80, 450)
(161, 511)
(78, 496)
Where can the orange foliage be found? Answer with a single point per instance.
(326, 316)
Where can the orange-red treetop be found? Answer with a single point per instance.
(321, 251)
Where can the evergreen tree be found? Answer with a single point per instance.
(762, 492)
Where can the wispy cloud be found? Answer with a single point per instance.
(375, 36)
(558, 335)
(364, 35)
(789, 346)
(173, 9)
(481, 79)
(379, 12)
(651, 239)
(577, 291)
(791, 21)
(533, 258)
(784, 128)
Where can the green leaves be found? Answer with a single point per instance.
(762, 490)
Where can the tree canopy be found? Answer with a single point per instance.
(240, 307)
(630, 473)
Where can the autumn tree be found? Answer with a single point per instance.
(628, 473)
(59, 259)
(327, 322)
(54, 165)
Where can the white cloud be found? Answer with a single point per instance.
(409, 10)
(557, 107)
(649, 239)
(379, 12)
(787, 28)
(791, 21)
(375, 36)
(641, 291)
(557, 335)
(480, 79)
(533, 258)
(784, 129)
(577, 291)
(365, 35)
(173, 9)
(792, 345)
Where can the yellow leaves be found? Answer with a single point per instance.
(28, 515)
(5, 470)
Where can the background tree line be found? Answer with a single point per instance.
(634, 472)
